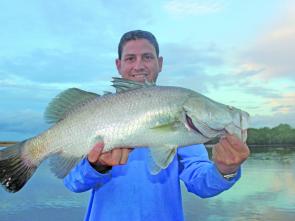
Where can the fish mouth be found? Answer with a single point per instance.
(203, 129)
(191, 125)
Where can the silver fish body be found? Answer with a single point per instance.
(160, 117)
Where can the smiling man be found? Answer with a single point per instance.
(122, 187)
(139, 61)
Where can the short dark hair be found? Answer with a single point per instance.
(134, 35)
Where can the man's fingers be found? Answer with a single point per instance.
(111, 158)
(116, 156)
(95, 152)
(235, 141)
(229, 153)
(238, 146)
(218, 152)
(124, 157)
(105, 158)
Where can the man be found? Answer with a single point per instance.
(122, 187)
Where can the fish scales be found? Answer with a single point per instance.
(160, 117)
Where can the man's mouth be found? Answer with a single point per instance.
(139, 75)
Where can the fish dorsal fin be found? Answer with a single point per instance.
(122, 84)
(161, 158)
(64, 102)
(61, 164)
(107, 93)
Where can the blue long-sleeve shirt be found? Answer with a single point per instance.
(130, 192)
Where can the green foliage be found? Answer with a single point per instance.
(281, 134)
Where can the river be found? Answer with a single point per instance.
(266, 191)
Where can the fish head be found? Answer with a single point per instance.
(212, 119)
(239, 124)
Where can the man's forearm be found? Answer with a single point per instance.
(84, 177)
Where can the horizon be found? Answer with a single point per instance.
(11, 142)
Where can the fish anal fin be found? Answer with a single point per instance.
(62, 163)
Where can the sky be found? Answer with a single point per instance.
(236, 52)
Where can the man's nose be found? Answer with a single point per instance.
(139, 64)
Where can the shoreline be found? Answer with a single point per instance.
(7, 143)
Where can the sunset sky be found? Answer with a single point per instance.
(236, 52)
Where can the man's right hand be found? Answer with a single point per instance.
(103, 161)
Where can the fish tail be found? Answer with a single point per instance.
(15, 170)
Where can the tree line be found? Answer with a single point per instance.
(282, 134)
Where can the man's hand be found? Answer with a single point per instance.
(102, 161)
(229, 154)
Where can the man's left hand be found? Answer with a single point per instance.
(229, 154)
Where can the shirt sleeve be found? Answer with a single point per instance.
(84, 177)
(199, 174)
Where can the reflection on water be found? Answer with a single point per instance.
(265, 192)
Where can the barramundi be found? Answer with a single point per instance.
(162, 118)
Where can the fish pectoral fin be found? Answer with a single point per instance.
(168, 127)
(65, 102)
(161, 157)
(61, 164)
(153, 167)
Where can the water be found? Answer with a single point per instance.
(265, 192)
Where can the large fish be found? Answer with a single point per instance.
(139, 114)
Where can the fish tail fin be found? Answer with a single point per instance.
(15, 170)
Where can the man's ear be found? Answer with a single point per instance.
(160, 61)
(118, 64)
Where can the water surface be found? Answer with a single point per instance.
(266, 191)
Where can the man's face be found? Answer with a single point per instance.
(139, 61)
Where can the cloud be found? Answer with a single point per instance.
(21, 124)
(69, 26)
(188, 66)
(65, 42)
(260, 91)
(259, 120)
(273, 51)
(17, 92)
(282, 111)
(183, 55)
(283, 104)
(136, 14)
(209, 69)
(193, 7)
(56, 66)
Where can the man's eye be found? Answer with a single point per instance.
(148, 57)
(129, 59)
